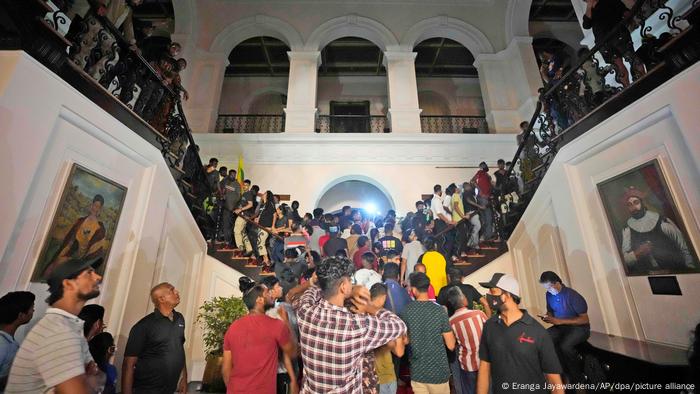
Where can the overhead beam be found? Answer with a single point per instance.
(267, 55)
(435, 58)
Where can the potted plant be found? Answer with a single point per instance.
(215, 316)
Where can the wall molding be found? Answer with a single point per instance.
(432, 149)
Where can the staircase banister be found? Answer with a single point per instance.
(622, 24)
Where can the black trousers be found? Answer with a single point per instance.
(227, 226)
(445, 242)
(283, 383)
(565, 339)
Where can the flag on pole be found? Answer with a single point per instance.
(240, 174)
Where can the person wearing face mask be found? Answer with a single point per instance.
(567, 311)
(515, 348)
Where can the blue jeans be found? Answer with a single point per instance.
(388, 388)
(456, 375)
(468, 381)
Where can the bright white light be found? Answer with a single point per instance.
(371, 208)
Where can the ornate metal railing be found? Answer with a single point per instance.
(236, 123)
(575, 100)
(352, 124)
(454, 124)
(98, 62)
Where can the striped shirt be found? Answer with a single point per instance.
(334, 341)
(53, 351)
(467, 325)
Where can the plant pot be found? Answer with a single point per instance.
(213, 381)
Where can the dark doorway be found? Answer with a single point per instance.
(350, 117)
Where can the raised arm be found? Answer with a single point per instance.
(382, 328)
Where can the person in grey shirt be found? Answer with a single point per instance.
(231, 191)
(412, 250)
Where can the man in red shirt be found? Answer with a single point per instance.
(482, 179)
(251, 347)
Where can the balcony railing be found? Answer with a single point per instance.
(352, 124)
(575, 100)
(454, 124)
(236, 123)
(102, 65)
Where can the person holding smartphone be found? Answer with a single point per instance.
(567, 311)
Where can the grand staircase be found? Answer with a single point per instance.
(246, 266)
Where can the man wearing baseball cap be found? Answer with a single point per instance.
(516, 352)
(55, 356)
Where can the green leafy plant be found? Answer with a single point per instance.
(215, 316)
(477, 306)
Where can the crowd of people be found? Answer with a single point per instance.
(457, 221)
(587, 88)
(100, 51)
(353, 336)
(335, 329)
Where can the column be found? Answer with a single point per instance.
(300, 113)
(404, 113)
(204, 82)
(509, 83)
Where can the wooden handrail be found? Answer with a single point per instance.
(259, 226)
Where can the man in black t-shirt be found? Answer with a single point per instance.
(154, 359)
(245, 209)
(517, 354)
(231, 192)
(454, 275)
(334, 243)
(389, 242)
(420, 219)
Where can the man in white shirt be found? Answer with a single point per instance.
(54, 356)
(442, 220)
(366, 276)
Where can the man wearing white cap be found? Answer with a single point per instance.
(516, 352)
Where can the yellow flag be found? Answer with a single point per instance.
(240, 175)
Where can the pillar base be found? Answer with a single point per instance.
(300, 120)
(405, 120)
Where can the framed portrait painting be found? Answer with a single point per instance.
(649, 233)
(84, 223)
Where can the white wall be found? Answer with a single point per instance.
(450, 96)
(565, 228)
(216, 280)
(46, 127)
(403, 167)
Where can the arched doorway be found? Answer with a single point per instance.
(359, 194)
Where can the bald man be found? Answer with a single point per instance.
(154, 359)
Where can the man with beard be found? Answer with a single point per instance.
(651, 241)
(154, 359)
(54, 357)
(251, 346)
(514, 347)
